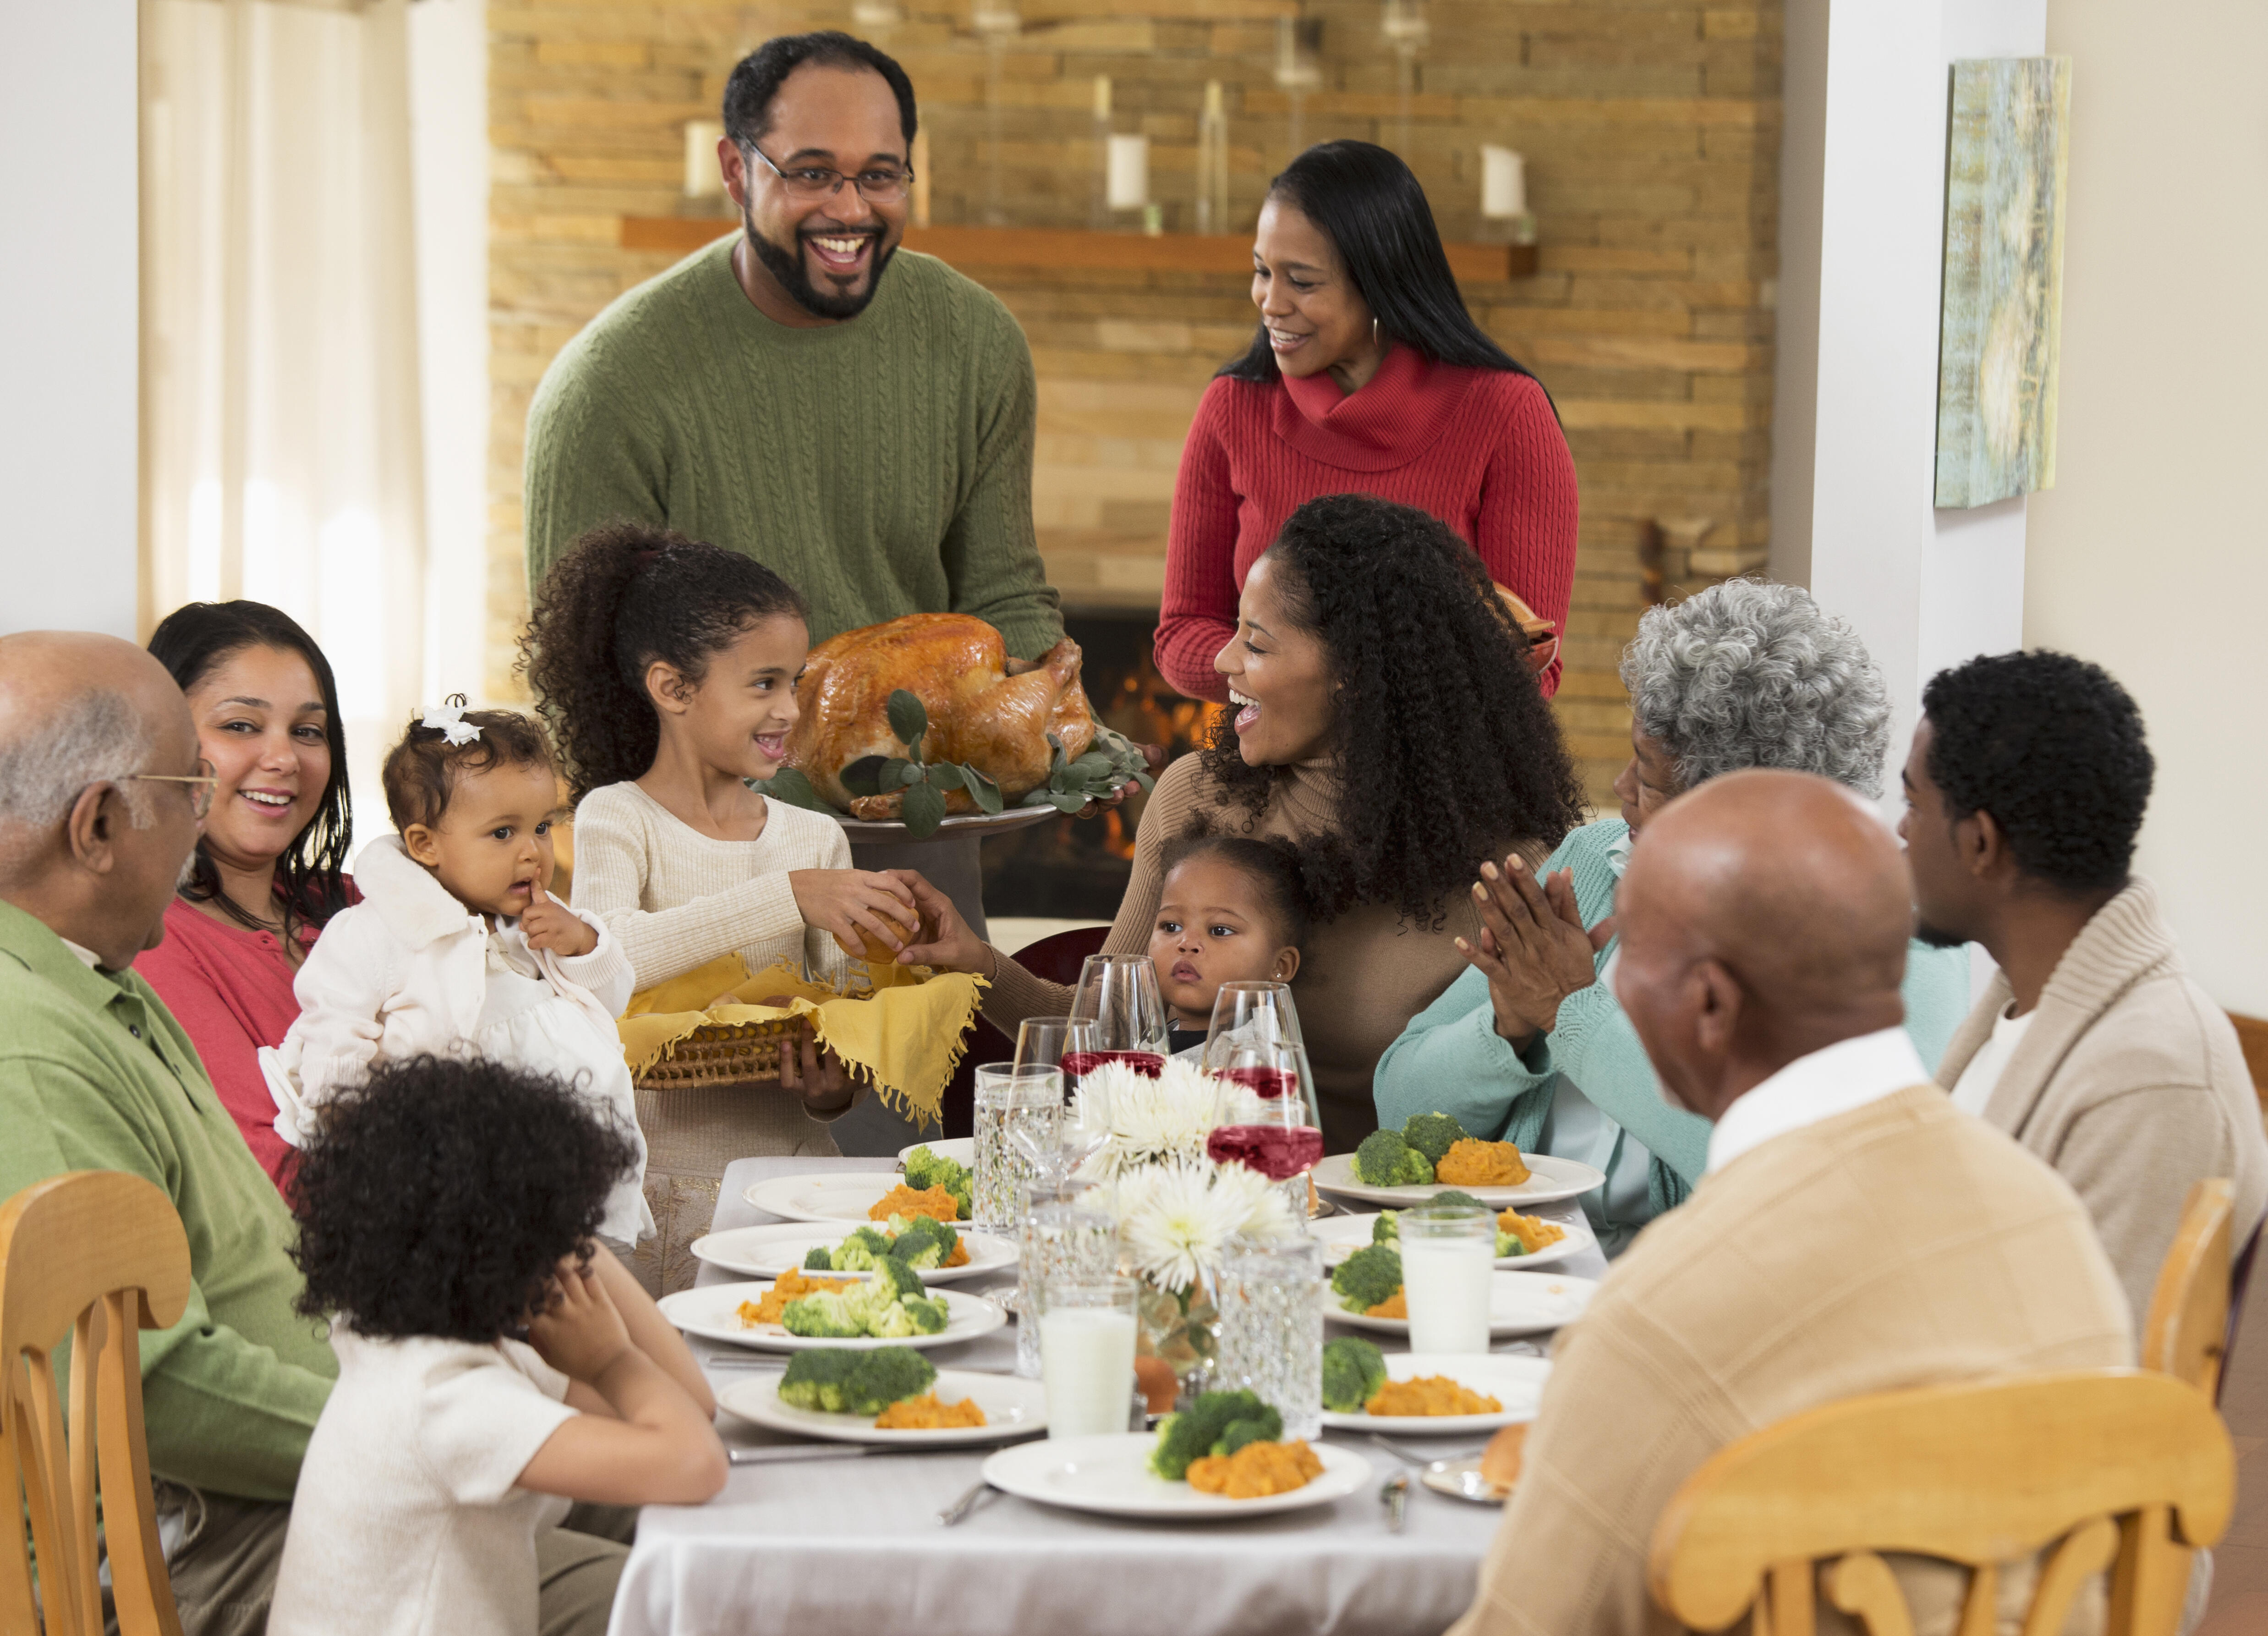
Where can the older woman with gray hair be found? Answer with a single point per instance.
(1529, 1045)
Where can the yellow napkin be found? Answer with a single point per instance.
(901, 1034)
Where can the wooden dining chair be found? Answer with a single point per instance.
(94, 1257)
(2187, 1331)
(2115, 1469)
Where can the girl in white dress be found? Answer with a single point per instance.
(457, 949)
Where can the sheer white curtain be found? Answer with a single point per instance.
(281, 451)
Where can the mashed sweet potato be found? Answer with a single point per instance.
(960, 1255)
(1256, 1470)
(925, 1413)
(1394, 1306)
(1430, 1394)
(1472, 1162)
(773, 1307)
(935, 1201)
(1533, 1232)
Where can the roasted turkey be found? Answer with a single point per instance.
(979, 715)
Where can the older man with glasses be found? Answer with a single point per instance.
(858, 419)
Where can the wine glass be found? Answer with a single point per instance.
(1260, 1117)
(1045, 1043)
(1255, 1031)
(1118, 994)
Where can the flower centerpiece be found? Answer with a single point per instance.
(1177, 1210)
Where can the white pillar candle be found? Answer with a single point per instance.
(702, 179)
(1503, 183)
(1128, 184)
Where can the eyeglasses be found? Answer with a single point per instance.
(885, 185)
(202, 783)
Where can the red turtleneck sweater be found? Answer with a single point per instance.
(1478, 448)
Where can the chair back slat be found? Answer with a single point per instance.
(92, 1256)
(2187, 1330)
(1974, 1475)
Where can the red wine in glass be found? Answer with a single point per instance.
(1278, 1152)
(1079, 1065)
(1269, 1084)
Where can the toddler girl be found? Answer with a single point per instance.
(668, 668)
(494, 1363)
(457, 945)
(1230, 908)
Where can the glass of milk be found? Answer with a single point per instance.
(1448, 1253)
(1086, 1354)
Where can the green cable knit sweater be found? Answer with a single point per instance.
(881, 467)
(1451, 1059)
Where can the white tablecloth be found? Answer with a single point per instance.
(850, 1548)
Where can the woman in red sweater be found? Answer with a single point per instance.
(1367, 376)
(270, 866)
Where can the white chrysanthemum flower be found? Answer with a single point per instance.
(1151, 1121)
(1176, 1220)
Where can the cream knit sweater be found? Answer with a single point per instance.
(678, 899)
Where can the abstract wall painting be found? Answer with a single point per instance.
(2003, 298)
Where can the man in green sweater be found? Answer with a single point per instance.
(859, 419)
(101, 792)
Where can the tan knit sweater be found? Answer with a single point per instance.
(2131, 1082)
(1361, 977)
(1903, 1243)
(678, 899)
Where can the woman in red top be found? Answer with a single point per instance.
(1367, 376)
(270, 868)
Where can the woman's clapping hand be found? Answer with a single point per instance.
(1534, 948)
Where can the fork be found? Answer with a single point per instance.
(968, 1502)
(1427, 1456)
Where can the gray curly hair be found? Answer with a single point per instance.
(1749, 674)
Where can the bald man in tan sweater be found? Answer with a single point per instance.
(1854, 1232)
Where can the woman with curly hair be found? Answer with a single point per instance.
(495, 1363)
(269, 870)
(1386, 725)
(668, 667)
(1530, 1045)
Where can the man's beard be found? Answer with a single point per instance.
(787, 267)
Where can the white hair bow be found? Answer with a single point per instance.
(449, 721)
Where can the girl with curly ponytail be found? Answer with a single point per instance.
(1386, 724)
(668, 669)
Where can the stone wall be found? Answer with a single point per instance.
(1651, 132)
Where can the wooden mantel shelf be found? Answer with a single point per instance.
(1072, 247)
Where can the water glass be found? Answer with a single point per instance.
(1271, 1328)
(1087, 1350)
(1047, 1042)
(1064, 1233)
(1449, 1258)
(1011, 1104)
(1118, 994)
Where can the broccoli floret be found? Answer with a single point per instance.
(899, 1278)
(1452, 1196)
(1378, 1161)
(927, 1169)
(1508, 1244)
(1432, 1134)
(928, 1314)
(925, 1244)
(1264, 1427)
(1369, 1276)
(826, 1316)
(884, 1376)
(1353, 1370)
(818, 1380)
(861, 1250)
(1193, 1432)
(1416, 1169)
(1387, 1229)
(866, 1302)
(819, 1258)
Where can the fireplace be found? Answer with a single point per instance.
(1076, 868)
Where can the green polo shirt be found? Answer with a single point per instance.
(96, 1075)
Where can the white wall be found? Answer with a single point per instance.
(70, 428)
(2150, 555)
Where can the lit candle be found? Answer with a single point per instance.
(1128, 184)
(1103, 96)
(1503, 183)
(702, 179)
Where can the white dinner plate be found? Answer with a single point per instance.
(711, 1312)
(1549, 1181)
(961, 1149)
(825, 1196)
(1342, 1235)
(1520, 1303)
(766, 1252)
(1013, 1408)
(1111, 1474)
(1515, 1382)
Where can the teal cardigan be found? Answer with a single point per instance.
(1450, 1059)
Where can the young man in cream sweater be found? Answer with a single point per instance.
(1854, 1233)
(2024, 792)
